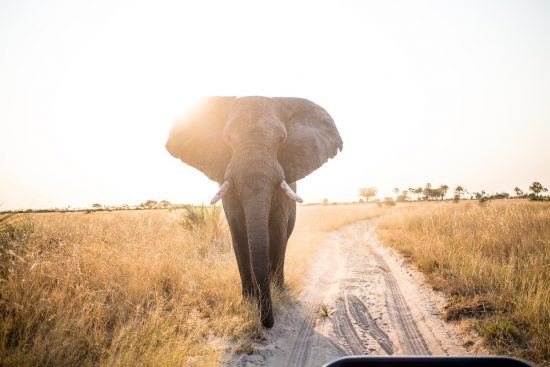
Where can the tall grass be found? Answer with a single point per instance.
(493, 261)
(135, 287)
(15, 230)
(124, 288)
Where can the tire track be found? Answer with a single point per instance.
(365, 321)
(412, 341)
(301, 349)
(343, 328)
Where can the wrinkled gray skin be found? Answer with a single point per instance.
(255, 143)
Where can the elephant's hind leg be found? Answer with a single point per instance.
(237, 226)
(277, 249)
(278, 238)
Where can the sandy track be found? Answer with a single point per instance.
(379, 306)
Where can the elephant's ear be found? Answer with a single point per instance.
(312, 137)
(198, 140)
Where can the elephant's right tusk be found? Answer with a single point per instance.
(290, 193)
(220, 193)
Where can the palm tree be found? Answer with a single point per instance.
(519, 192)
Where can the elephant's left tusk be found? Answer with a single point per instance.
(220, 193)
(290, 193)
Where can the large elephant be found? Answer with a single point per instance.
(256, 148)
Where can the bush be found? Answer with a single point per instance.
(389, 201)
(203, 219)
(484, 201)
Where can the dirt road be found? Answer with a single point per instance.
(376, 304)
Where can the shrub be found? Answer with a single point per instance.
(203, 219)
(389, 201)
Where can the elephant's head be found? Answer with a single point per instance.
(251, 140)
(254, 146)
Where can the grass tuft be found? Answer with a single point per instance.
(324, 311)
(501, 333)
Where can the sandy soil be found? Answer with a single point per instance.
(378, 305)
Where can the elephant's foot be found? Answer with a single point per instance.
(266, 313)
(267, 320)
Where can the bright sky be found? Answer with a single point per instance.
(441, 92)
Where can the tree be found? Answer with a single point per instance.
(149, 204)
(519, 192)
(459, 191)
(443, 190)
(404, 196)
(479, 195)
(396, 190)
(436, 193)
(536, 187)
(427, 191)
(368, 193)
(97, 206)
(418, 192)
(165, 204)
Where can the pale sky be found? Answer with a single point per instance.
(421, 91)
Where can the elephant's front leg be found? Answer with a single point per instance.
(237, 227)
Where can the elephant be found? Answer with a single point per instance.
(256, 148)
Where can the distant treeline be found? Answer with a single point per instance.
(367, 194)
(96, 207)
(428, 192)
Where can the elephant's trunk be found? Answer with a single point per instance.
(256, 210)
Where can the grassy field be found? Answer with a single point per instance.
(492, 261)
(133, 287)
(161, 287)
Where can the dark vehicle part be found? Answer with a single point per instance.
(422, 361)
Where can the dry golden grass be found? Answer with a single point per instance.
(493, 262)
(134, 287)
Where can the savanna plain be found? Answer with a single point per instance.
(161, 287)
